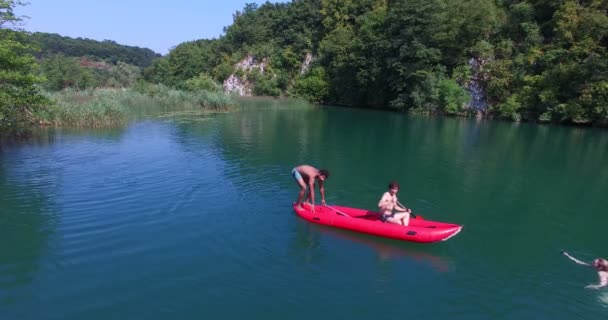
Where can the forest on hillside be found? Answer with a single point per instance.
(535, 60)
(48, 79)
(531, 60)
(107, 50)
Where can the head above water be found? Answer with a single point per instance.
(600, 264)
(324, 174)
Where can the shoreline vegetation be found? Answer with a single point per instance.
(529, 61)
(525, 61)
(110, 106)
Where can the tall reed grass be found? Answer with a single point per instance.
(109, 107)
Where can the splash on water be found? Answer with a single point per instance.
(603, 298)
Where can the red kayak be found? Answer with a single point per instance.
(366, 221)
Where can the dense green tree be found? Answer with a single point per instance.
(19, 96)
(353, 50)
(82, 73)
(189, 59)
(202, 82)
(7, 12)
(107, 50)
(63, 72)
(414, 57)
(538, 60)
(314, 86)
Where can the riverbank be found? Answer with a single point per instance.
(481, 114)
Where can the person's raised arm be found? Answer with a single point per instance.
(603, 275)
(575, 259)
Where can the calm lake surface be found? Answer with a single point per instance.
(189, 217)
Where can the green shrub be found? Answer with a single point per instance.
(202, 82)
(510, 108)
(452, 96)
(314, 86)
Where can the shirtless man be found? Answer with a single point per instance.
(389, 202)
(599, 264)
(305, 176)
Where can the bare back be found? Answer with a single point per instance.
(307, 172)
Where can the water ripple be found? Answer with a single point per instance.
(187, 218)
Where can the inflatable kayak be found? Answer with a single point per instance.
(366, 221)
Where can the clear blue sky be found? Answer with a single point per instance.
(157, 25)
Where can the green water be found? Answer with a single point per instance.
(189, 217)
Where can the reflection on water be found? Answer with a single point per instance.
(188, 116)
(27, 222)
(47, 136)
(389, 250)
(306, 244)
(389, 255)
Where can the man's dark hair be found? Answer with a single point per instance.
(393, 184)
(324, 172)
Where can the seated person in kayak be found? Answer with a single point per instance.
(305, 176)
(599, 264)
(389, 202)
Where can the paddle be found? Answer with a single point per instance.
(337, 211)
(411, 213)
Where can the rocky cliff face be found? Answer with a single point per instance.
(478, 95)
(237, 86)
(306, 64)
(240, 85)
(238, 82)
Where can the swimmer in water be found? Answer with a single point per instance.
(599, 264)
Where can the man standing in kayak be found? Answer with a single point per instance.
(389, 202)
(305, 176)
(599, 264)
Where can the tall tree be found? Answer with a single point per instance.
(19, 96)
(7, 12)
